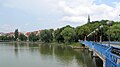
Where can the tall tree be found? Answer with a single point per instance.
(46, 36)
(16, 34)
(82, 31)
(68, 34)
(114, 32)
(58, 37)
(22, 37)
(33, 37)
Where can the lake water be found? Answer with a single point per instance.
(44, 55)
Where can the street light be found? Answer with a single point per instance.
(94, 35)
(109, 24)
(101, 34)
(101, 26)
(96, 38)
(97, 29)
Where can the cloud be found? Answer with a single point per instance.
(73, 11)
(7, 28)
(74, 19)
(7, 5)
(78, 13)
(33, 6)
(70, 8)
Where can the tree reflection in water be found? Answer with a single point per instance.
(64, 56)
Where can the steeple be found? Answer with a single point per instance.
(88, 18)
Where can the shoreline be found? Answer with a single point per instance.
(77, 47)
(73, 46)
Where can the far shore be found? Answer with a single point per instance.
(73, 45)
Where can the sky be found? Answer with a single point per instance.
(31, 15)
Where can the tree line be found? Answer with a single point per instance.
(70, 34)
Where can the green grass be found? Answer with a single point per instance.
(76, 44)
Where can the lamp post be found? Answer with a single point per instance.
(109, 24)
(94, 35)
(101, 34)
(96, 38)
(94, 32)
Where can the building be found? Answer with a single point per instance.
(2, 34)
(10, 34)
(27, 34)
(88, 18)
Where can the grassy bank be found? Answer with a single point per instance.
(76, 45)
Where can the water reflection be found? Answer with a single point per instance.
(46, 49)
(49, 55)
(16, 49)
(64, 54)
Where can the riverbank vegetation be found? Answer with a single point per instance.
(69, 34)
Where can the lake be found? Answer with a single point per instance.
(45, 55)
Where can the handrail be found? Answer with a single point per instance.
(106, 51)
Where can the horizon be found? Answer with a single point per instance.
(32, 15)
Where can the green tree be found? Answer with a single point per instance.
(22, 37)
(58, 37)
(10, 38)
(46, 36)
(16, 34)
(114, 32)
(33, 37)
(57, 34)
(68, 34)
(82, 31)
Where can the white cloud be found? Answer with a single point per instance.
(7, 5)
(74, 19)
(78, 13)
(75, 9)
(72, 10)
(32, 6)
(7, 28)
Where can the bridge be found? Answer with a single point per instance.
(110, 55)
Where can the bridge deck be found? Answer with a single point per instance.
(109, 54)
(100, 55)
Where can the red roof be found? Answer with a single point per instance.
(28, 33)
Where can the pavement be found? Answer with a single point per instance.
(115, 44)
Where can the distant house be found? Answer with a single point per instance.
(20, 33)
(2, 34)
(27, 34)
(10, 34)
(35, 32)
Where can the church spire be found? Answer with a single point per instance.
(88, 18)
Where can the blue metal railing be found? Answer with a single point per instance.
(112, 60)
(87, 43)
(101, 48)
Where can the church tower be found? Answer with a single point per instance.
(88, 18)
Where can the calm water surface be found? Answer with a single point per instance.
(43, 55)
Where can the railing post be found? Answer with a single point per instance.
(101, 39)
(85, 38)
(106, 53)
(104, 63)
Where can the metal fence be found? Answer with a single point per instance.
(111, 53)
